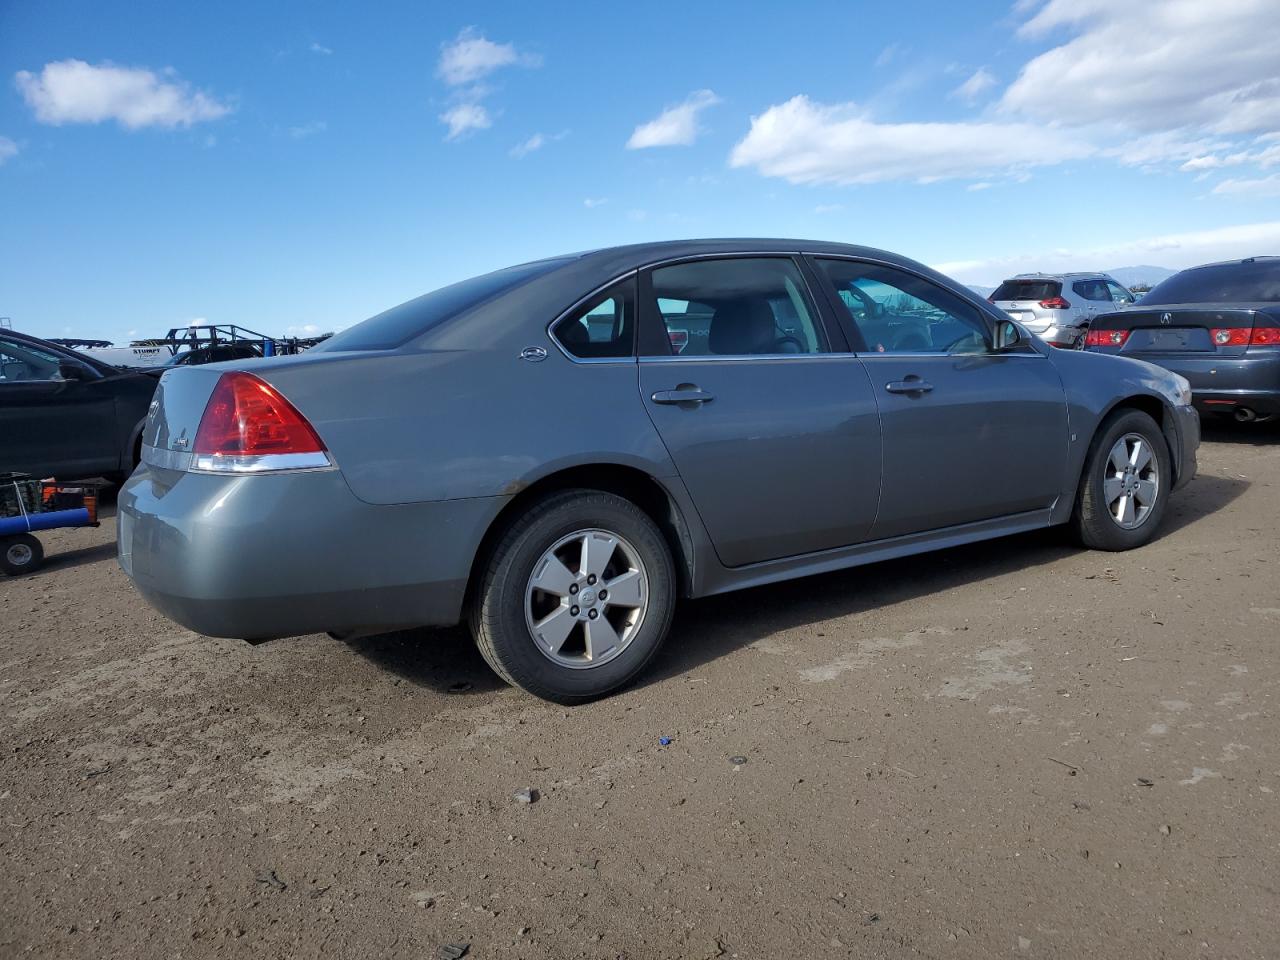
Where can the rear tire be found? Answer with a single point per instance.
(1127, 478)
(20, 554)
(543, 617)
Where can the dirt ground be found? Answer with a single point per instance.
(1017, 748)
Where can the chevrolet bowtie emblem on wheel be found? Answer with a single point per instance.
(1166, 317)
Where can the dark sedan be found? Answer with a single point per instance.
(66, 415)
(1218, 326)
(556, 452)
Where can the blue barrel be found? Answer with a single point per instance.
(78, 517)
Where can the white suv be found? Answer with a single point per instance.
(1058, 307)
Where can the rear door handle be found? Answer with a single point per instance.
(909, 385)
(685, 393)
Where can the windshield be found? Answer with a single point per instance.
(1027, 290)
(401, 324)
(1250, 281)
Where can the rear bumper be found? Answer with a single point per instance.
(278, 555)
(1225, 384)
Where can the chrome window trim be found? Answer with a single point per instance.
(968, 296)
(634, 271)
(739, 357)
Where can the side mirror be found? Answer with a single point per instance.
(1008, 335)
(70, 370)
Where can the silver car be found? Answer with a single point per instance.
(556, 452)
(1058, 307)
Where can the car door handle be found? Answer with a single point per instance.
(682, 394)
(909, 385)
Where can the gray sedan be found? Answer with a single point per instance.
(558, 451)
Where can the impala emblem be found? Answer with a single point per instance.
(1166, 318)
(533, 354)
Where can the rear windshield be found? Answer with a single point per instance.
(401, 324)
(1256, 282)
(1027, 290)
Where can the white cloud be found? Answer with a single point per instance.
(72, 91)
(308, 129)
(1174, 250)
(8, 149)
(979, 83)
(1260, 187)
(983, 185)
(321, 49)
(1264, 158)
(806, 142)
(465, 118)
(1154, 66)
(675, 126)
(471, 57)
(536, 142)
(592, 202)
(887, 54)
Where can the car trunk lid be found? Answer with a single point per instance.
(1176, 329)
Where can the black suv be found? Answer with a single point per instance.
(66, 415)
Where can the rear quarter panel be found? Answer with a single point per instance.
(442, 424)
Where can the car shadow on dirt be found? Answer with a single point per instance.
(446, 660)
(1224, 430)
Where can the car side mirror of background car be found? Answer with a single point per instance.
(1008, 336)
(70, 370)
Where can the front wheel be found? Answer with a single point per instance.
(1127, 478)
(20, 554)
(577, 597)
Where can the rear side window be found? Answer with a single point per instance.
(1027, 290)
(603, 327)
(743, 306)
(401, 324)
(1092, 290)
(1248, 282)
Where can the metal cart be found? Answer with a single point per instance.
(28, 505)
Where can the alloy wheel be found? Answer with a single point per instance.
(586, 598)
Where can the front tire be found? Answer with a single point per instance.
(20, 554)
(1127, 478)
(577, 597)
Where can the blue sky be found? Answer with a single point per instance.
(298, 166)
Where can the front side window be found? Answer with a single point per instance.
(23, 362)
(1119, 294)
(898, 312)
(603, 327)
(746, 306)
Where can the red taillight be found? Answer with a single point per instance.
(679, 340)
(245, 417)
(1230, 336)
(1265, 337)
(1106, 338)
(1055, 303)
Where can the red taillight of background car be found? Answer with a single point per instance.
(1245, 337)
(1106, 338)
(248, 427)
(1055, 303)
(679, 340)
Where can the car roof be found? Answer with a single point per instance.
(1235, 263)
(1092, 275)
